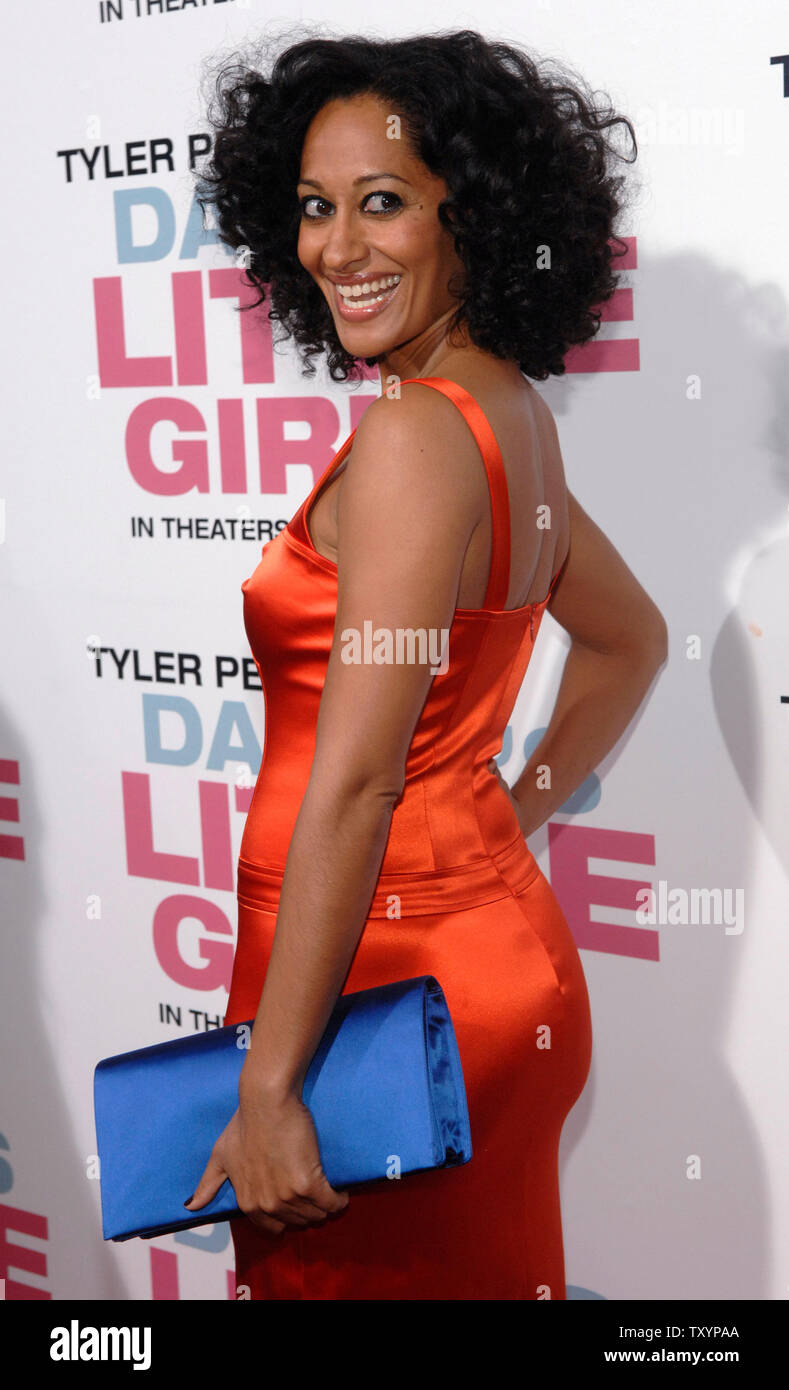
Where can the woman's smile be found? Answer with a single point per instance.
(367, 299)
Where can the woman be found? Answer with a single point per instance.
(398, 200)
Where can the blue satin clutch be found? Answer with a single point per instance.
(385, 1090)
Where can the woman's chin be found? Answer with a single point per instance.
(371, 355)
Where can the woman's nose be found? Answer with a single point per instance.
(344, 242)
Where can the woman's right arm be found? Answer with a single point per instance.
(619, 641)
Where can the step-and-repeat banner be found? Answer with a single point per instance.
(154, 438)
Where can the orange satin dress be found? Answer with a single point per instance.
(476, 912)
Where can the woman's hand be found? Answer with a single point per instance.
(269, 1151)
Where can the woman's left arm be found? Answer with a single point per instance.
(411, 497)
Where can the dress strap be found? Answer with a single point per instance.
(477, 421)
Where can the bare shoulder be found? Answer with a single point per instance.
(417, 436)
(545, 418)
(416, 412)
(409, 502)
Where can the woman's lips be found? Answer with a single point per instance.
(354, 313)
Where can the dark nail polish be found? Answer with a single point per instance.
(188, 1200)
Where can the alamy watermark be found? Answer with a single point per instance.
(666, 124)
(381, 646)
(85, 1343)
(691, 907)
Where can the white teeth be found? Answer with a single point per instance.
(368, 288)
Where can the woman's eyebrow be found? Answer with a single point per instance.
(363, 178)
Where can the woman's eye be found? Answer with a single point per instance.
(392, 198)
(379, 204)
(307, 212)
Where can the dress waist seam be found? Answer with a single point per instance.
(418, 893)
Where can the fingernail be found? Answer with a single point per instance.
(188, 1200)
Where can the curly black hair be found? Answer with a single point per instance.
(523, 152)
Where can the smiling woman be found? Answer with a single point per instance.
(393, 197)
(524, 150)
(407, 287)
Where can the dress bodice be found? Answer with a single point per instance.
(453, 821)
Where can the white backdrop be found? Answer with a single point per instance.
(124, 789)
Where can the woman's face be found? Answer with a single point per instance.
(369, 232)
